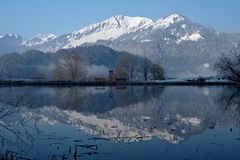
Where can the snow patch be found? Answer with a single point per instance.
(134, 38)
(193, 37)
(206, 65)
(183, 26)
(146, 40)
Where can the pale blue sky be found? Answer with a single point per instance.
(29, 17)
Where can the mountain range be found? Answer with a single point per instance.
(182, 47)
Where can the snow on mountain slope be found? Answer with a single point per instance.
(193, 37)
(39, 39)
(8, 35)
(120, 25)
(115, 27)
(167, 21)
(15, 43)
(109, 29)
(11, 43)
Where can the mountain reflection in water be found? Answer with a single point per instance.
(79, 121)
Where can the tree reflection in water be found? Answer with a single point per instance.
(229, 101)
(60, 117)
(20, 132)
(21, 110)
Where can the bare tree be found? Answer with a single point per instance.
(146, 65)
(73, 67)
(229, 65)
(120, 73)
(157, 72)
(58, 72)
(132, 62)
(127, 67)
(122, 68)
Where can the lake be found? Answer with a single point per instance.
(138, 122)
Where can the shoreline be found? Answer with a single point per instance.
(109, 83)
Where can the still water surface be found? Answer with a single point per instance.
(120, 123)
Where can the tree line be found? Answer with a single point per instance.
(132, 67)
(129, 68)
(228, 66)
(73, 65)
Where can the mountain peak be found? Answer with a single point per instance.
(39, 39)
(118, 17)
(167, 21)
(45, 36)
(175, 16)
(9, 35)
(127, 21)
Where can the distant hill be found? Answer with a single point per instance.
(24, 65)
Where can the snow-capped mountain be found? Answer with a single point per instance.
(116, 27)
(39, 39)
(180, 45)
(10, 43)
(16, 43)
(109, 29)
(174, 30)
